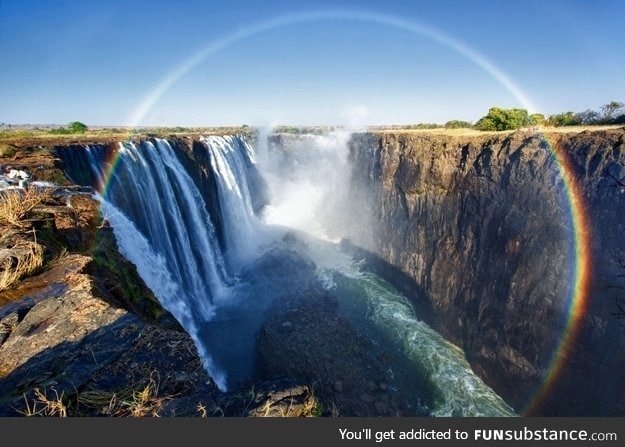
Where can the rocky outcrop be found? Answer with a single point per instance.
(304, 337)
(82, 335)
(478, 229)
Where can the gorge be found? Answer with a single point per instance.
(354, 261)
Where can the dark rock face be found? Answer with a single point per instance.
(305, 338)
(482, 227)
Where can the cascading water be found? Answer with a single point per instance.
(159, 219)
(230, 159)
(220, 290)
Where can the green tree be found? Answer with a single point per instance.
(504, 119)
(537, 119)
(77, 127)
(564, 119)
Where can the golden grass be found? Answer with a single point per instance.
(16, 205)
(44, 406)
(24, 256)
(14, 268)
(144, 402)
(201, 409)
(139, 400)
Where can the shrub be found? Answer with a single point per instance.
(504, 119)
(6, 151)
(538, 119)
(77, 127)
(564, 119)
(458, 124)
(60, 131)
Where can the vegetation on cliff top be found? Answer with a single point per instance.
(501, 119)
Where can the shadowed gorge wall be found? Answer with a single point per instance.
(482, 227)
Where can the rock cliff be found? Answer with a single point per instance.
(478, 230)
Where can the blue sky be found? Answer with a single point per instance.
(306, 62)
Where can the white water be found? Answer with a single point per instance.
(161, 226)
(153, 269)
(418, 353)
(153, 188)
(230, 159)
(308, 179)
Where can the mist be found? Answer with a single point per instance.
(309, 185)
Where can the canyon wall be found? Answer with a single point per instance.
(478, 230)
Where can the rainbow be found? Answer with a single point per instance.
(582, 267)
(251, 30)
(577, 300)
(111, 162)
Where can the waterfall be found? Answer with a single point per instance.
(219, 287)
(163, 226)
(153, 268)
(231, 158)
(153, 189)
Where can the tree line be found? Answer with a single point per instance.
(499, 118)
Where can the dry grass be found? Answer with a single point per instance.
(44, 406)
(15, 206)
(28, 258)
(23, 256)
(201, 410)
(140, 400)
(144, 402)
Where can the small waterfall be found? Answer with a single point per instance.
(231, 159)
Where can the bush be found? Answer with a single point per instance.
(60, 131)
(6, 151)
(504, 119)
(564, 119)
(619, 119)
(538, 119)
(588, 117)
(458, 124)
(77, 127)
